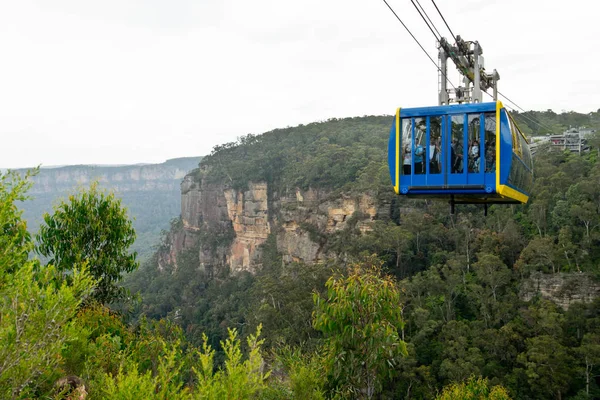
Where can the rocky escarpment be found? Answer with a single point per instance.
(563, 289)
(305, 218)
(229, 226)
(126, 178)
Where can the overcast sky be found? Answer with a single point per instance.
(131, 81)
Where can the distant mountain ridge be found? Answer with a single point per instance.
(119, 178)
(150, 192)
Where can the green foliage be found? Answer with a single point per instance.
(546, 364)
(282, 303)
(473, 389)
(549, 122)
(361, 319)
(305, 374)
(330, 155)
(589, 355)
(35, 324)
(154, 361)
(464, 276)
(239, 379)
(101, 337)
(277, 297)
(130, 383)
(35, 309)
(91, 227)
(15, 241)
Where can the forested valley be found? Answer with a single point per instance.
(416, 303)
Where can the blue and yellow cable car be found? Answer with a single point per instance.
(467, 153)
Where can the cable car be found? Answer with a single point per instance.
(466, 153)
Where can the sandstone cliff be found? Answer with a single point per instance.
(562, 288)
(226, 228)
(301, 221)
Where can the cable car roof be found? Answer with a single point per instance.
(448, 109)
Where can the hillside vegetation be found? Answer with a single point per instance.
(423, 305)
(336, 153)
(463, 278)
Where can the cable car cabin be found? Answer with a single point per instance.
(468, 153)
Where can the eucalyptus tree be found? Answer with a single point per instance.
(91, 227)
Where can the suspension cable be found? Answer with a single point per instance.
(510, 101)
(426, 23)
(532, 119)
(422, 48)
(429, 19)
(521, 108)
(529, 118)
(444, 19)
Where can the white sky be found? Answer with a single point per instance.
(129, 81)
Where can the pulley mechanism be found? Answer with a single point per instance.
(469, 61)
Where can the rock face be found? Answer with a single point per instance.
(563, 289)
(305, 219)
(248, 212)
(301, 220)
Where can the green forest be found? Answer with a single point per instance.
(424, 305)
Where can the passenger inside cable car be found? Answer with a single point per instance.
(468, 153)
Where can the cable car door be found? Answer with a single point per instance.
(435, 156)
(455, 163)
(474, 149)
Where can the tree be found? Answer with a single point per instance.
(361, 318)
(239, 379)
(538, 255)
(586, 213)
(35, 310)
(282, 303)
(460, 357)
(36, 323)
(492, 273)
(473, 389)
(547, 366)
(91, 227)
(390, 242)
(589, 358)
(15, 243)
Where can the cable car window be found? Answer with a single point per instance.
(526, 155)
(519, 177)
(516, 143)
(456, 147)
(490, 141)
(474, 138)
(406, 146)
(419, 150)
(514, 175)
(435, 140)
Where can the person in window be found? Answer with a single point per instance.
(419, 153)
(474, 157)
(434, 156)
(407, 159)
(456, 156)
